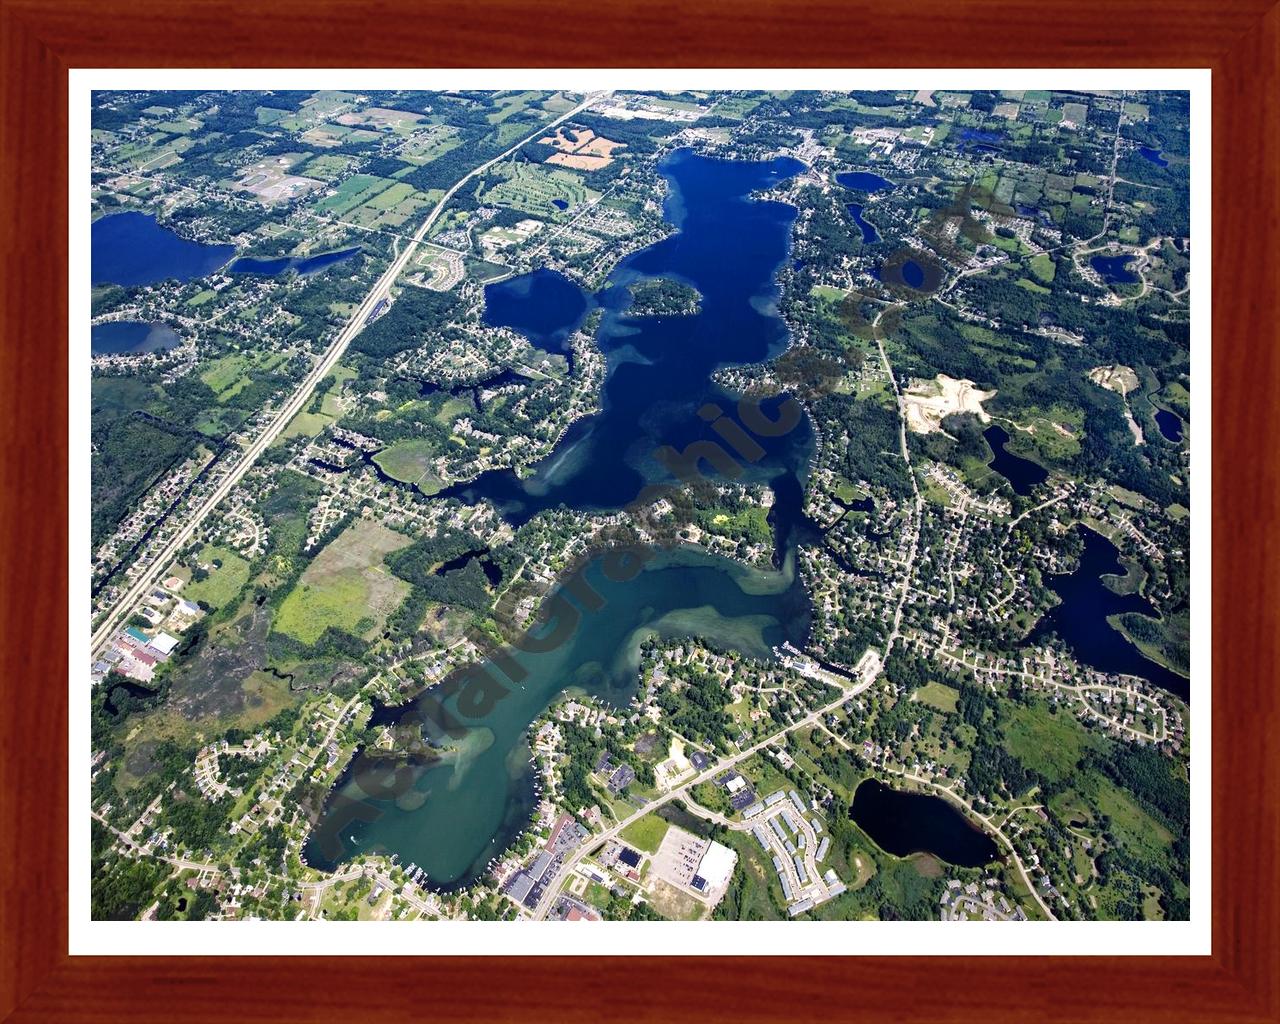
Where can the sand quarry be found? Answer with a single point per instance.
(1121, 379)
(929, 402)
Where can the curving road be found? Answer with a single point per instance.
(298, 400)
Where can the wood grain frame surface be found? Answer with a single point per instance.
(41, 39)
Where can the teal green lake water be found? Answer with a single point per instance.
(453, 816)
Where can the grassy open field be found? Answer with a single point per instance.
(326, 167)
(1047, 743)
(223, 583)
(390, 207)
(227, 375)
(826, 291)
(939, 696)
(511, 103)
(754, 892)
(1043, 267)
(355, 191)
(646, 834)
(427, 144)
(346, 586)
(309, 424)
(410, 463)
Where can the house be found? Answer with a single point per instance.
(622, 777)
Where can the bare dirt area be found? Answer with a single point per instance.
(929, 402)
(1120, 379)
(580, 148)
(673, 904)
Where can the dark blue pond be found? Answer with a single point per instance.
(560, 204)
(1153, 155)
(975, 139)
(1081, 619)
(1037, 213)
(913, 273)
(903, 823)
(863, 181)
(128, 337)
(1169, 424)
(868, 230)
(545, 306)
(1022, 474)
(132, 249)
(1114, 269)
(308, 265)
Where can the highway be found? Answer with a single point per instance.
(381, 289)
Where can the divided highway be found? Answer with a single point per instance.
(298, 400)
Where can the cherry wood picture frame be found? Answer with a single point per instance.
(41, 39)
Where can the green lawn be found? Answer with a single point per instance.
(222, 374)
(224, 583)
(227, 375)
(825, 291)
(410, 462)
(1043, 267)
(357, 189)
(939, 696)
(531, 188)
(646, 834)
(754, 893)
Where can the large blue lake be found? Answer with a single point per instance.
(903, 823)
(132, 249)
(1169, 424)
(457, 814)
(544, 306)
(1153, 155)
(659, 368)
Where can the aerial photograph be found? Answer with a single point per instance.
(533, 505)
